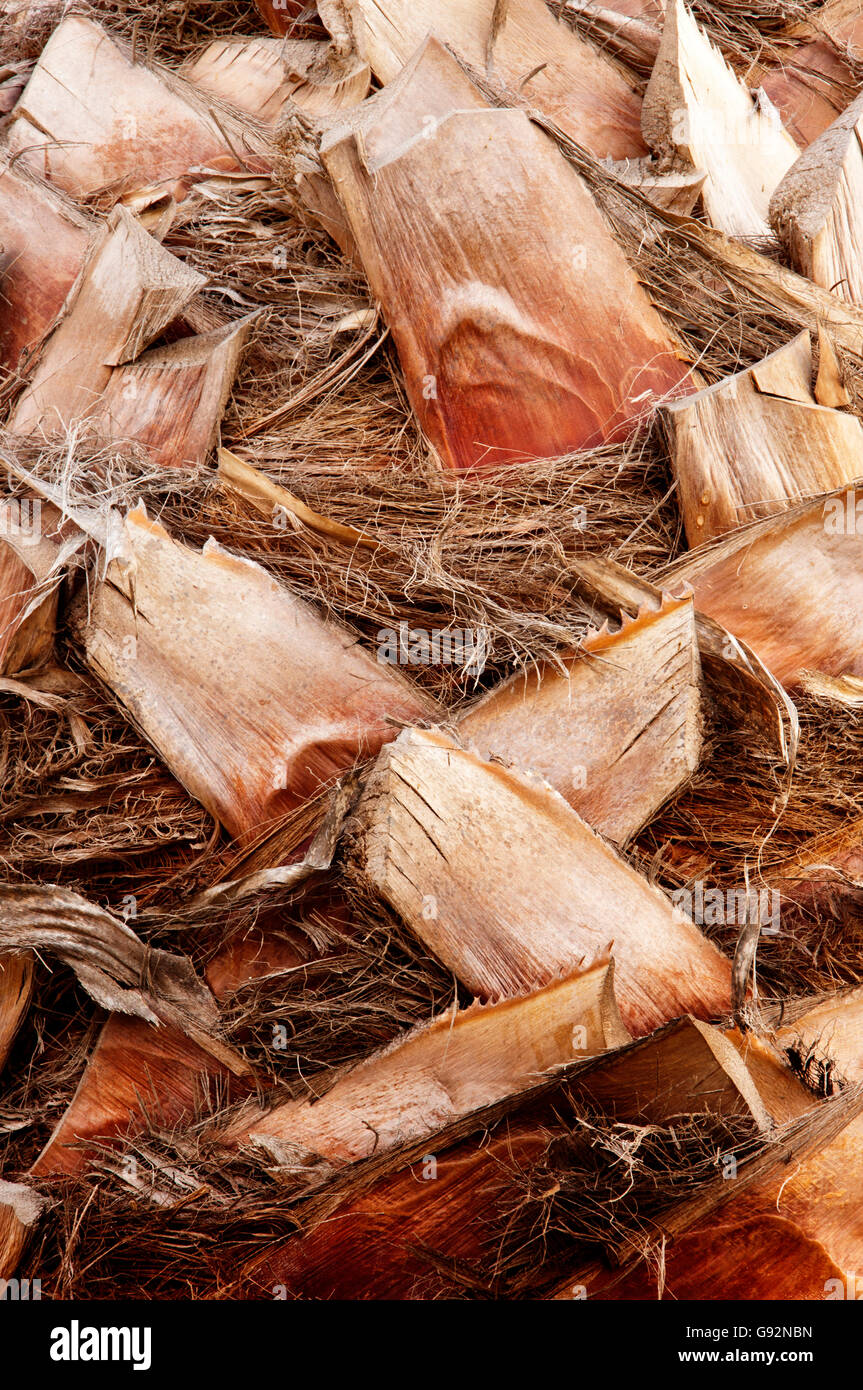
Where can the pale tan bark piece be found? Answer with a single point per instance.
(734, 675)
(129, 290)
(696, 108)
(252, 700)
(817, 209)
(260, 75)
(508, 886)
(171, 399)
(615, 732)
(757, 441)
(441, 1071)
(790, 587)
(520, 45)
(507, 354)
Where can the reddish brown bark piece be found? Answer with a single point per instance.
(32, 565)
(806, 90)
(762, 1257)
(508, 886)
(373, 1250)
(617, 730)
(280, 15)
(520, 45)
(253, 701)
(757, 441)
(790, 586)
(507, 354)
(91, 119)
(137, 1075)
(16, 980)
(43, 242)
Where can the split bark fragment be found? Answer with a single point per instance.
(111, 963)
(520, 45)
(251, 699)
(790, 586)
(617, 730)
(757, 441)
(438, 829)
(171, 399)
(673, 190)
(696, 108)
(438, 1073)
(506, 355)
(821, 1191)
(817, 209)
(830, 387)
(128, 291)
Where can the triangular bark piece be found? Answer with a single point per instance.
(752, 444)
(252, 700)
(817, 209)
(617, 730)
(91, 119)
(171, 399)
(440, 1072)
(696, 108)
(506, 355)
(508, 886)
(129, 290)
(136, 1076)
